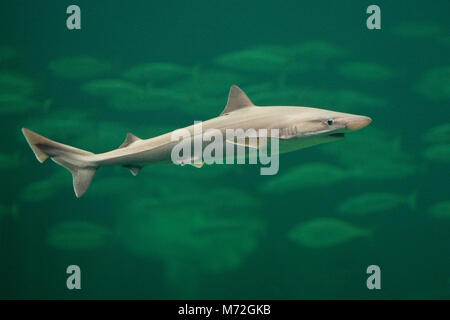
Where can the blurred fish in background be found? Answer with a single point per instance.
(378, 196)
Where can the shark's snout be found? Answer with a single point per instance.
(358, 123)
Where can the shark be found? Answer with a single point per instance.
(298, 128)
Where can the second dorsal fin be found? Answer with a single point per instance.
(237, 99)
(129, 140)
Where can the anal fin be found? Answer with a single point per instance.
(134, 169)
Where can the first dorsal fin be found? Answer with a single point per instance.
(237, 99)
(129, 140)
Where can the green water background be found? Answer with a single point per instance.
(410, 246)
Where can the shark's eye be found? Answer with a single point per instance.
(330, 122)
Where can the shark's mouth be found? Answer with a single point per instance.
(337, 135)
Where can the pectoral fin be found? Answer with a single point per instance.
(191, 161)
(198, 165)
(253, 143)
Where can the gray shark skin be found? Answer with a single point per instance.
(299, 127)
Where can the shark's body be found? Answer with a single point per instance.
(299, 127)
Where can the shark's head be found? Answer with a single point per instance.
(335, 124)
(311, 126)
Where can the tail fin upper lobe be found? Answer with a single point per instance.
(69, 157)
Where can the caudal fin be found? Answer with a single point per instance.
(73, 159)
